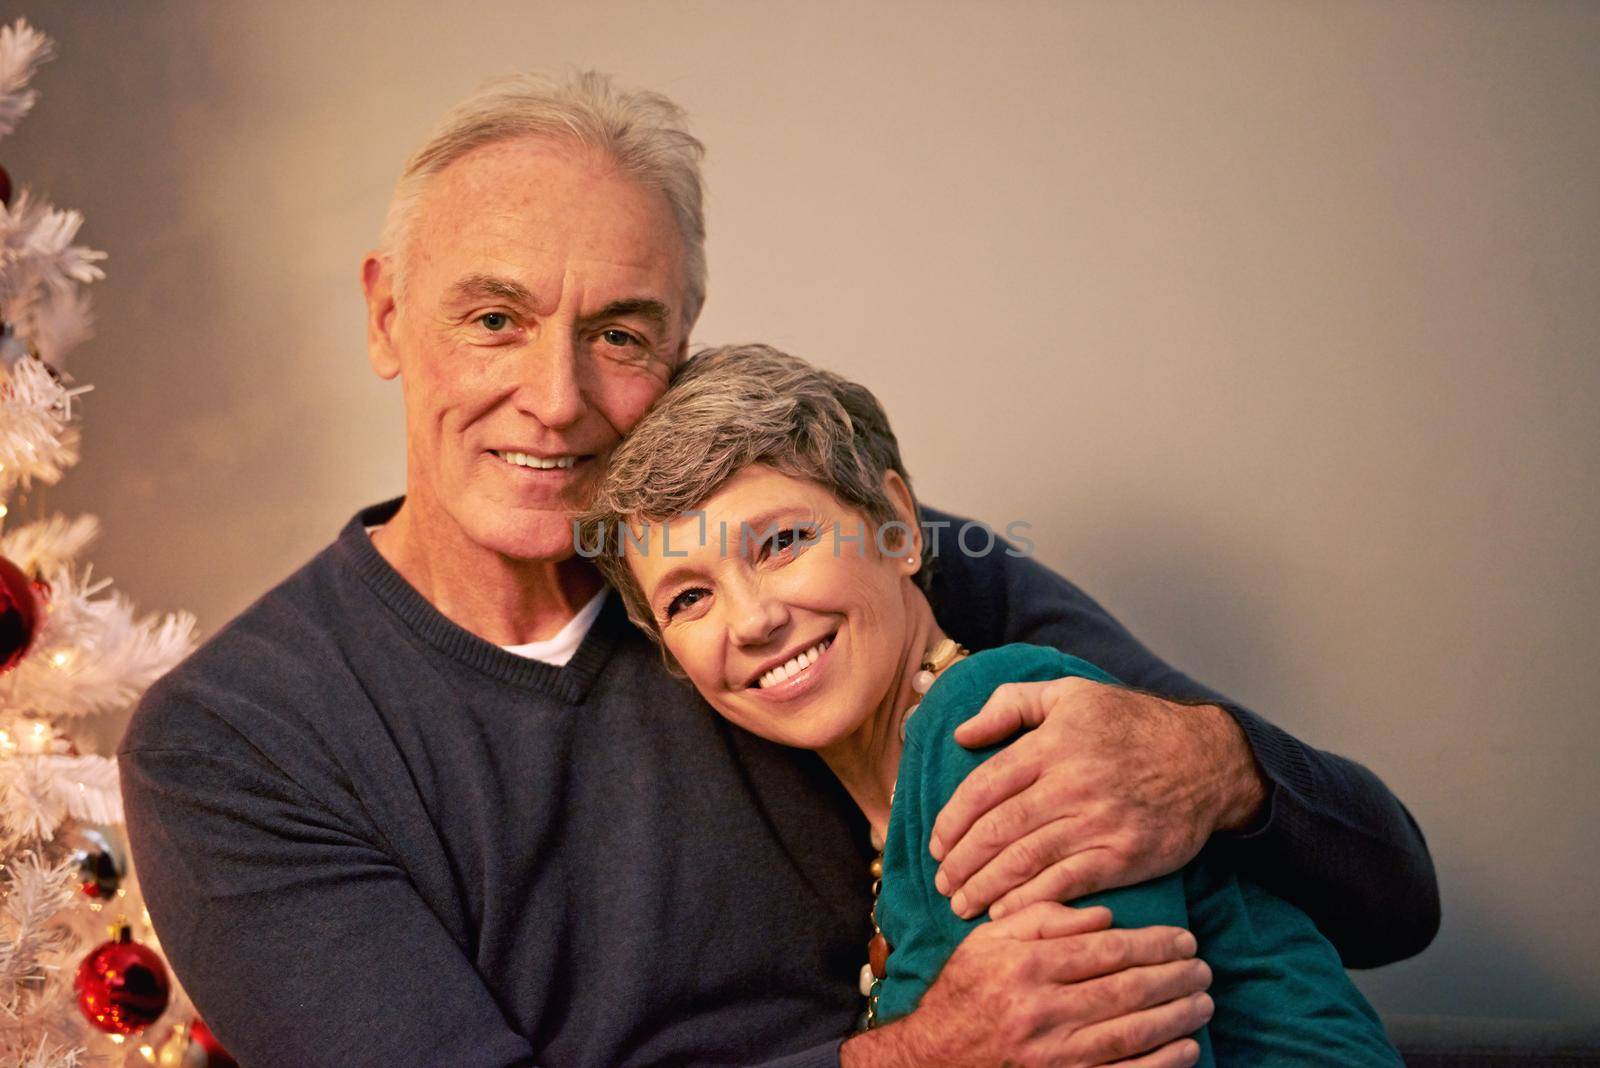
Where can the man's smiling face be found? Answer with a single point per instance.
(542, 311)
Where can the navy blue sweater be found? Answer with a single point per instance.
(367, 836)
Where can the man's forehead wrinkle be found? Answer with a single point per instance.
(510, 237)
(488, 285)
(520, 193)
(511, 211)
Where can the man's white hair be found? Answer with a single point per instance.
(643, 132)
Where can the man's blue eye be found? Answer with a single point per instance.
(495, 322)
(619, 338)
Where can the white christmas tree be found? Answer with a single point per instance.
(71, 651)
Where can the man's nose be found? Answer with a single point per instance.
(551, 386)
(753, 616)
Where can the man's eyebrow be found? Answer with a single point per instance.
(488, 285)
(633, 307)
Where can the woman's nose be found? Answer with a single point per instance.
(753, 617)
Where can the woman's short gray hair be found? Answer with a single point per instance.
(728, 408)
(643, 132)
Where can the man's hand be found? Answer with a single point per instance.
(1113, 787)
(1052, 985)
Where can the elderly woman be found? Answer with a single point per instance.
(760, 525)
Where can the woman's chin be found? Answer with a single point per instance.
(798, 731)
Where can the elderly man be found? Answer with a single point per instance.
(432, 801)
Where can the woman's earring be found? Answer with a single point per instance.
(914, 562)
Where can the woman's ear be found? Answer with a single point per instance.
(905, 510)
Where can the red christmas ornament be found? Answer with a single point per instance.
(122, 986)
(19, 614)
(216, 1056)
(192, 1045)
(5, 187)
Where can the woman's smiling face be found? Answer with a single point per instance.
(781, 606)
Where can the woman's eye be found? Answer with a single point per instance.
(618, 338)
(686, 599)
(494, 322)
(785, 540)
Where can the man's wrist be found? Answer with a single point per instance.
(1241, 786)
(871, 1049)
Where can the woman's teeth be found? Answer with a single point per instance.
(523, 459)
(785, 672)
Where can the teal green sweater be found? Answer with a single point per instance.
(1282, 997)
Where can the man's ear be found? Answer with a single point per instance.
(377, 282)
(905, 508)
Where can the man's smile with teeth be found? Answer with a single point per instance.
(525, 459)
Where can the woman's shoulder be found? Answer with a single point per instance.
(962, 688)
(1021, 662)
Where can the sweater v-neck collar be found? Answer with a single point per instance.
(569, 682)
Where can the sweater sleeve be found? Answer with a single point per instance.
(823, 1056)
(243, 871)
(1333, 839)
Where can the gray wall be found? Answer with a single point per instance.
(1276, 320)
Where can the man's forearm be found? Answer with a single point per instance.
(1335, 841)
(1370, 887)
(1326, 833)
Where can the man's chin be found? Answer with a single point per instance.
(525, 535)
